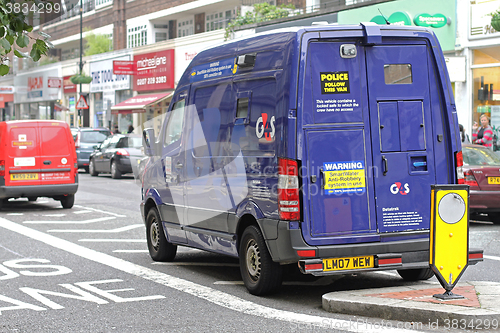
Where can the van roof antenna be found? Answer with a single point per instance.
(385, 18)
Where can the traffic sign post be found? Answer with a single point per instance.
(82, 103)
(449, 238)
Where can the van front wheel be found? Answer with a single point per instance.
(260, 273)
(159, 248)
(416, 274)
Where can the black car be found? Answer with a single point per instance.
(118, 154)
(86, 138)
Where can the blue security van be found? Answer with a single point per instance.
(315, 145)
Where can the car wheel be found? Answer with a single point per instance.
(494, 217)
(68, 201)
(416, 274)
(159, 248)
(260, 273)
(115, 173)
(32, 198)
(92, 168)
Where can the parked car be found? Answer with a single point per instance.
(85, 140)
(37, 159)
(482, 174)
(118, 154)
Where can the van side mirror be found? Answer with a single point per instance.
(149, 141)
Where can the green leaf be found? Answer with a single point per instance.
(29, 29)
(44, 35)
(10, 39)
(22, 41)
(5, 44)
(20, 54)
(4, 70)
(17, 25)
(2, 32)
(35, 53)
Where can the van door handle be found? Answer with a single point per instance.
(322, 177)
(179, 166)
(47, 162)
(386, 166)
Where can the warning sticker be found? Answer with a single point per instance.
(334, 82)
(344, 177)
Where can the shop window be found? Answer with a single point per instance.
(486, 89)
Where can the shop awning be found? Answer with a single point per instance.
(59, 107)
(140, 103)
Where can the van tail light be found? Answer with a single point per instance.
(2, 167)
(459, 162)
(288, 190)
(469, 178)
(122, 152)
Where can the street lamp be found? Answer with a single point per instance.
(81, 61)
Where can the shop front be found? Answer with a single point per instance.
(153, 81)
(70, 98)
(484, 51)
(106, 90)
(37, 94)
(6, 103)
(150, 107)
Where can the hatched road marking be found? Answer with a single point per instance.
(214, 296)
(110, 231)
(99, 219)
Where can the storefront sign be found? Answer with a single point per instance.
(54, 82)
(103, 78)
(396, 18)
(124, 67)
(7, 90)
(155, 71)
(38, 86)
(68, 86)
(427, 20)
(480, 20)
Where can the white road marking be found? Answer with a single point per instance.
(131, 251)
(491, 257)
(82, 211)
(54, 215)
(100, 211)
(100, 219)
(217, 297)
(386, 273)
(324, 281)
(114, 240)
(106, 231)
(207, 264)
(16, 214)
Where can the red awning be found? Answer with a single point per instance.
(139, 103)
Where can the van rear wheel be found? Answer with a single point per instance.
(416, 274)
(68, 201)
(159, 248)
(261, 275)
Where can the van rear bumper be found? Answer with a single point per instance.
(37, 190)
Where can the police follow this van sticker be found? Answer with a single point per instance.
(344, 177)
(334, 82)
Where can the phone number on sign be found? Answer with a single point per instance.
(26, 8)
(152, 80)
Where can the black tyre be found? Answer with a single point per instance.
(159, 248)
(261, 275)
(494, 217)
(68, 201)
(115, 173)
(32, 199)
(416, 274)
(92, 170)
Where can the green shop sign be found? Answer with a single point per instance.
(427, 20)
(397, 18)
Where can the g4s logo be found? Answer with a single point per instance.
(398, 187)
(262, 125)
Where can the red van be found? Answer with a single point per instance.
(37, 159)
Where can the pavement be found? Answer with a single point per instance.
(415, 303)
